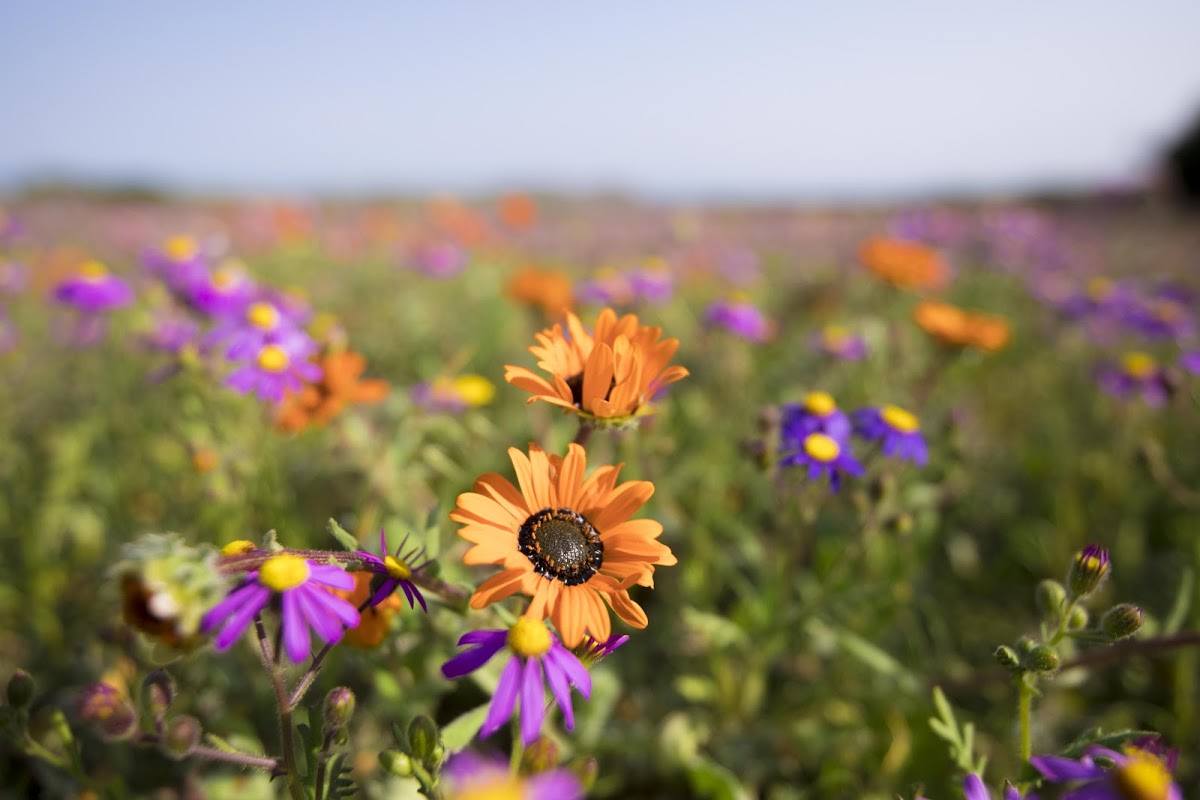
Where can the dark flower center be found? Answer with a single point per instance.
(575, 384)
(561, 544)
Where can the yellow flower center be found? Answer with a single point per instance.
(1143, 777)
(181, 248)
(273, 358)
(835, 335)
(821, 447)
(225, 277)
(1099, 288)
(821, 404)
(263, 316)
(1138, 364)
(237, 547)
(529, 637)
(93, 271)
(1091, 563)
(283, 572)
(503, 788)
(397, 568)
(474, 390)
(899, 419)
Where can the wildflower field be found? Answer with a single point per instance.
(528, 497)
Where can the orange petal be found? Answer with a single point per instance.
(645, 528)
(524, 471)
(483, 508)
(499, 586)
(498, 488)
(543, 488)
(570, 475)
(568, 615)
(629, 611)
(596, 620)
(597, 376)
(622, 503)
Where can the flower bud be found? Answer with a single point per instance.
(108, 710)
(396, 763)
(1007, 657)
(20, 689)
(1122, 621)
(158, 692)
(181, 737)
(1025, 645)
(541, 756)
(1050, 596)
(423, 738)
(339, 708)
(1043, 658)
(1078, 619)
(1088, 570)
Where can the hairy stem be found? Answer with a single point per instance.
(1025, 718)
(206, 753)
(286, 744)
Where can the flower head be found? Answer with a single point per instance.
(439, 259)
(1089, 568)
(535, 652)
(818, 413)
(955, 326)
(1142, 771)
(339, 386)
(591, 651)
(1137, 374)
(741, 318)
(178, 262)
(906, 264)
(276, 368)
(838, 342)
(454, 394)
(824, 455)
(396, 571)
(93, 289)
(563, 538)
(549, 290)
(303, 589)
(610, 374)
(472, 777)
(896, 429)
(224, 291)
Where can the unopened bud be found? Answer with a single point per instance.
(422, 738)
(1007, 657)
(541, 756)
(158, 692)
(20, 689)
(109, 711)
(1078, 619)
(1025, 645)
(181, 737)
(1043, 658)
(339, 708)
(1050, 596)
(396, 763)
(1122, 621)
(1088, 570)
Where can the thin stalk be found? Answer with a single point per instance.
(310, 675)
(206, 753)
(286, 743)
(1025, 718)
(584, 433)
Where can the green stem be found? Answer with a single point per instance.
(583, 434)
(1025, 718)
(286, 744)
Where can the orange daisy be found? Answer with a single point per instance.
(566, 540)
(340, 385)
(909, 265)
(547, 289)
(609, 375)
(956, 326)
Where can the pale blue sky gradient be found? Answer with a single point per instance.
(693, 98)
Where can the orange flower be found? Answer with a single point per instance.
(953, 325)
(340, 386)
(374, 621)
(518, 211)
(611, 374)
(565, 540)
(905, 264)
(550, 290)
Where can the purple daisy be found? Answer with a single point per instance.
(468, 775)
(818, 413)
(1138, 374)
(535, 651)
(276, 369)
(824, 455)
(898, 431)
(439, 259)
(171, 333)
(607, 288)
(592, 651)
(837, 342)
(1142, 770)
(740, 318)
(973, 789)
(1100, 297)
(653, 283)
(1161, 317)
(178, 263)
(94, 289)
(396, 572)
(225, 291)
(251, 327)
(305, 601)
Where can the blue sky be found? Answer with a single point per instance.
(678, 98)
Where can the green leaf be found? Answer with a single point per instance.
(346, 539)
(459, 733)
(1096, 736)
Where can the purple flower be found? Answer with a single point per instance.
(468, 775)
(251, 327)
(535, 651)
(740, 318)
(973, 789)
(898, 431)
(396, 572)
(305, 602)
(837, 342)
(1190, 361)
(1161, 318)
(817, 414)
(171, 333)
(1100, 297)
(224, 292)
(439, 259)
(653, 283)
(277, 368)
(607, 288)
(824, 455)
(592, 651)
(1137, 374)
(1141, 772)
(178, 263)
(94, 289)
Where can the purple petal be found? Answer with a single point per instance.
(556, 785)
(1060, 770)
(973, 788)
(416, 592)
(333, 576)
(384, 591)
(383, 550)
(1097, 790)
(562, 692)
(231, 603)
(325, 625)
(295, 629)
(504, 699)
(470, 660)
(332, 604)
(482, 637)
(241, 619)
(576, 672)
(533, 701)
